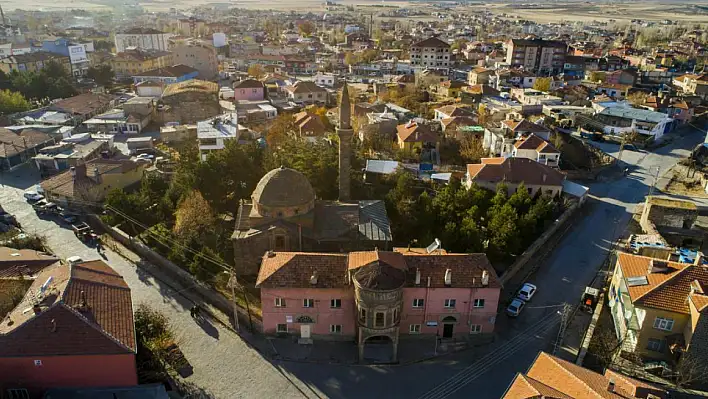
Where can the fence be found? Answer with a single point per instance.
(174, 272)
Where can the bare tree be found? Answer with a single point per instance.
(690, 370)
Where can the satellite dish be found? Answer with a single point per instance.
(434, 246)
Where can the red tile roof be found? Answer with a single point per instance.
(515, 171)
(412, 132)
(86, 309)
(524, 126)
(25, 261)
(533, 142)
(431, 42)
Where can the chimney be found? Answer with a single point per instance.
(270, 254)
(84, 303)
(428, 281)
(544, 177)
(54, 326)
(72, 170)
(448, 277)
(37, 309)
(313, 278)
(417, 276)
(611, 386)
(96, 175)
(485, 278)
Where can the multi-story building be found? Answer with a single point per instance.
(658, 307)
(135, 61)
(78, 53)
(431, 53)
(378, 295)
(32, 62)
(543, 56)
(215, 132)
(198, 55)
(143, 38)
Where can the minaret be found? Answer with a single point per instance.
(345, 133)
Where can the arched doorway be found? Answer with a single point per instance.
(379, 349)
(448, 323)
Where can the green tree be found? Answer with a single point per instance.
(318, 161)
(306, 28)
(102, 74)
(543, 84)
(12, 101)
(597, 76)
(351, 58)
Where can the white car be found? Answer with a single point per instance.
(515, 307)
(72, 260)
(33, 196)
(527, 292)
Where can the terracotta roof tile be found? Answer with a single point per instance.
(25, 260)
(294, 269)
(454, 110)
(86, 309)
(666, 290)
(412, 132)
(466, 269)
(524, 387)
(431, 42)
(517, 170)
(524, 126)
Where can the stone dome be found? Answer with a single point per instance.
(283, 192)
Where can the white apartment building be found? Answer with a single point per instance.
(214, 132)
(431, 53)
(144, 38)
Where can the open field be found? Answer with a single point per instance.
(543, 12)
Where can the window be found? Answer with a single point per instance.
(362, 314)
(661, 323)
(656, 345)
(475, 328)
(414, 329)
(380, 319)
(335, 328)
(395, 315)
(450, 303)
(281, 328)
(279, 243)
(308, 303)
(418, 302)
(479, 303)
(279, 302)
(335, 303)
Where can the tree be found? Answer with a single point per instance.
(103, 45)
(193, 216)
(369, 55)
(306, 28)
(102, 74)
(597, 76)
(318, 161)
(459, 44)
(351, 58)
(471, 149)
(543, 84)
(637, 98)
(12, 101)
(256, 71)
(280, 129)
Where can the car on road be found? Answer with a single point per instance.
(515, 307)
(72, 260)
(67, 217)
(526, 292)
(33, 196)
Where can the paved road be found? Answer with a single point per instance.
(222, 362)
(231, 369)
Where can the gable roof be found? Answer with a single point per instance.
(552, 377)
(515, 171)
(431, 42)
(14, 143)
(665, 290)
(86, 103)
(85, 309)
(412, 132)
(305, 87)
(485, 90)
(16, 262)
(309, 123)
(173, 71)
(87, 175)
(524, 126)
(454, 110)
(294, 269)
(533, 142)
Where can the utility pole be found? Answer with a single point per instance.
(656, 178)
(232, 283)
(565, 315)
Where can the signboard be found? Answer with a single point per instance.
(425, 167)
(77, 54)
(288, 319)
(219, 39)
(431, 323)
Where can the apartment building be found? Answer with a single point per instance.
(144, 38)
(543, 56)
(136, 61)
(430, 53)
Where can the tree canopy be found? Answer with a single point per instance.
(12, 101)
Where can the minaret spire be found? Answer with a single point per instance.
(345, 133)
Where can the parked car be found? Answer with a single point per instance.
(72, 260)
(526, 292)
(515, 307)
(33, 196)
(67, 217)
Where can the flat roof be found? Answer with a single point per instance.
(671, 203)
(642, 115)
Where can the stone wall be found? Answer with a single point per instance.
(522, 260)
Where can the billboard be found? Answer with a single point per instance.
(77, 54)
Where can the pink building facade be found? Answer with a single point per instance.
(249, 90)
(362, 295)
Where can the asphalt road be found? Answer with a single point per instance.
(229, 368)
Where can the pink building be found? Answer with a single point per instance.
(249, 89)
(377, 294)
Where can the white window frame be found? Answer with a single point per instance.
(414, 329)
(475, 328)
(479, 303)
(279, 302)
(418, 302)
(308, 303)
(278, 330)
(335, 303)
(335, 328)
(450, 303)
(663, 324)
